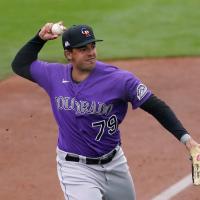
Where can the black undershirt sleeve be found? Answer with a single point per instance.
(26, 55)
(163, 113)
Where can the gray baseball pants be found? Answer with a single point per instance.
(111, 181)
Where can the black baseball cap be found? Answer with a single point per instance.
(78, 36)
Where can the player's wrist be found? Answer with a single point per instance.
(190, 144)
(185, 138)
(38, 39)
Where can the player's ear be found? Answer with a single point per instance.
(68, 54)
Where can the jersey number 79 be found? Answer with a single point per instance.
(111, 124)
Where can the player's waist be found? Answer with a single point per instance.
(67, 156)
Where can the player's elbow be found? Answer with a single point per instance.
(21, 69)
(18, 67)
(15, 67)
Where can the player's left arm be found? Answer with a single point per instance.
(167, 118)
(164, 114)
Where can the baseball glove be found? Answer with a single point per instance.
(195, 158)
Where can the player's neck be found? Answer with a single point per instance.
(80, 75)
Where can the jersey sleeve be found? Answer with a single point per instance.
(40, 73)
(136, 91)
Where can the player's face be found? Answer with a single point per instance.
(84, 58)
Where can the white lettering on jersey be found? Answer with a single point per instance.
(82, 107)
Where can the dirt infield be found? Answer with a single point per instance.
(28, 134)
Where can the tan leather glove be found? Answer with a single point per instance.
(195, 158)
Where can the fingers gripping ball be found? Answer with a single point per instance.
(58, 29)
(195, 157)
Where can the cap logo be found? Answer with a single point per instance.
(67, 44)
(85, 32)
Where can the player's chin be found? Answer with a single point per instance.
(90, 64)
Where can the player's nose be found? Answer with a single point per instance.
(91, 52)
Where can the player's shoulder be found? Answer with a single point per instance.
(50, 66)
(108, 68)
(47, 64)
(55, 65)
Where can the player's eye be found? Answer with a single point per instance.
(82, 49)
(93, 45)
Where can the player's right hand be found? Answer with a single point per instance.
(46, 34)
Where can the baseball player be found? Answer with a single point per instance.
(89, 100)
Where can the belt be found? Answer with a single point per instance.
(92, 161)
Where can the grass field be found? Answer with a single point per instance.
(130, 29)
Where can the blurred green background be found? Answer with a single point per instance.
(130, 28)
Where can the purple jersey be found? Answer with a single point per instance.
(88, 113)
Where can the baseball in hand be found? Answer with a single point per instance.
(58, 29)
